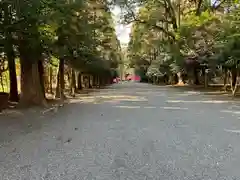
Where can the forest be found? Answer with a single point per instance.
(56, 46)
(47, 46)
(192, 42)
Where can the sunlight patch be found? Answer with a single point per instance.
(128, 107)
(233, 131)
(83, 100)
(108, 99)
(228, 111)
(122, 97)
(234, 107)
(182, 94)
(206, 102)
(145, 93)
(149, 107)
(174, 108)
(192, 92)
(11, 112)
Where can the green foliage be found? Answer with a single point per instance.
(167, 33)
(227, 44)
(80, 31)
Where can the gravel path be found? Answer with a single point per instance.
(129, 131)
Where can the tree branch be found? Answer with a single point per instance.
(172, 14)
(154, 26)
(198, 10)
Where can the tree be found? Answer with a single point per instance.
(8, 49)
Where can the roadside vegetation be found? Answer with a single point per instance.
(55, 47)
(185, 42)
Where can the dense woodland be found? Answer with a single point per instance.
(51, 44)
(185, 41)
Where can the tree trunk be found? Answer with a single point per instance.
(51, 79)
(234, 83)
(8, 48)
(86, 81)
(69, 77)
(93, 80)
(73, 83)
(180, 80)
(31, 89)
(98, 81)
(13, 96)
(205, 78)
(41, 76)
(165, 79)
(46, 79)
(79, 79)
(60, 84)
(234, 77)
(234, 90)
(196, 78)
(225, 79)
(90, 81)
(1, 81)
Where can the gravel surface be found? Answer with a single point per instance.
(129, 131)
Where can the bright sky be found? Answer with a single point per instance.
(122, 31)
